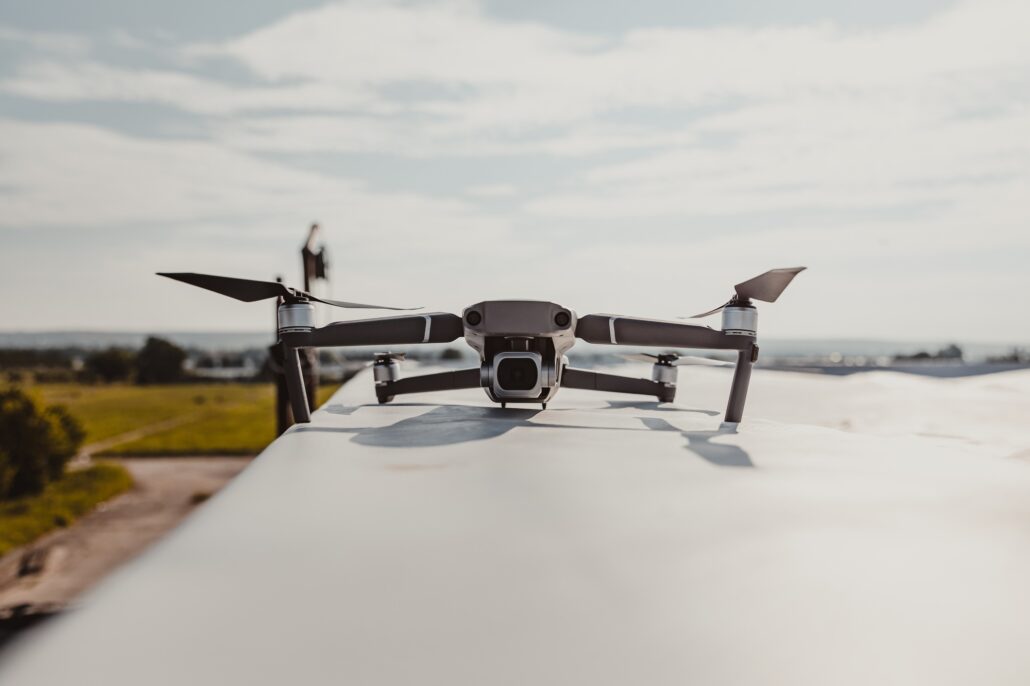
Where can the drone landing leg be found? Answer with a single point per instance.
(741, 379)
(598, 381)
(295, 385)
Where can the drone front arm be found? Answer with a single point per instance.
(437, 327)
(616, 330)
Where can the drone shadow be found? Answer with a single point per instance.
(337, 408)
(446, 425)
(453, 424)
(652, 405)
(699, 442)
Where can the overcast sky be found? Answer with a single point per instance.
(637, 158)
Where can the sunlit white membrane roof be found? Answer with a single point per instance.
(603, 541)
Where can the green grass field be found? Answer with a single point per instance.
(78, 492)
(216, 419)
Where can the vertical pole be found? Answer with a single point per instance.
(309, 359)
(277, 364)
(741, 380)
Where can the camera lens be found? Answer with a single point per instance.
(517, 374)
(473, 318)
(562, 319)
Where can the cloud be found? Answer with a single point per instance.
(637, 158)
(76, 175)
(69, 45)
(91, 81)
(493, 190)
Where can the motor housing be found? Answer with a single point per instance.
(294, 317)
(740, 320)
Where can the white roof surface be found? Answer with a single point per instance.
(606, 540)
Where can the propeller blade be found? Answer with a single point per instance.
(357, 306)
(675, 359)
(767, 287)
(249, 290)
(378, 357)
(639, 357)
(241, 289)
(709, 313)
(688, 360)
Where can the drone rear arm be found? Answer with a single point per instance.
(598, 381)
(426, 383)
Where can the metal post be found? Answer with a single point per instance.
(315, 267)
(281, 360)
(276, 364)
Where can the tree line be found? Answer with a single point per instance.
(158, 361)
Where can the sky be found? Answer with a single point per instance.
(633, 158)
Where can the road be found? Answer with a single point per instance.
(166, 490)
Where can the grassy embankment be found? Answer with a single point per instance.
(192, 419)
(79, 491)
(202, 419)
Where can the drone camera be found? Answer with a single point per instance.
(517, 374)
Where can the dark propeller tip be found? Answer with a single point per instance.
(246, 290)
(769, 286)
(766, 287)
(249, 290)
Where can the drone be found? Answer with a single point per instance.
(522, 344)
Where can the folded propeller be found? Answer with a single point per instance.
(766, 287)
(674, 360)
(249, 290)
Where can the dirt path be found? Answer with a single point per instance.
(74, 559)
(84, 455)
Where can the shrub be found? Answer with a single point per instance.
(35, 357)
(34, 445)
(159, 361)
(60, 504)
(451, 354)
(113, 364)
